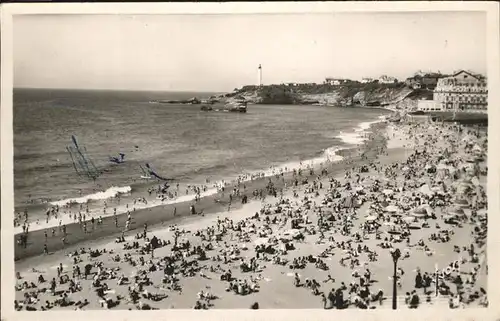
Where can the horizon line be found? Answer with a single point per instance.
(121, 89)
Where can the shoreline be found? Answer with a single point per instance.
(274, 281)
(161, 214)
(352, 139)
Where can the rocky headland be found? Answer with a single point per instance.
(396, 96)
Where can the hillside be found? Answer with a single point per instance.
(396, 96)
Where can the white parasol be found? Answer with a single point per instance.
(371, 218)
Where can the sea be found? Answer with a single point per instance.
(178, 141)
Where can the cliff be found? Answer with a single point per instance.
(394, 96)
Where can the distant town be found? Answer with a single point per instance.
(463, 90)
(427, 92)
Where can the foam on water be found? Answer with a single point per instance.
(66, 219)
(109, 193)
(359, 135)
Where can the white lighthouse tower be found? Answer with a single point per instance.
(259, 75)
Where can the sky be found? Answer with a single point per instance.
(222, 52)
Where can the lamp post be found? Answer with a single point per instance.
(396, 254)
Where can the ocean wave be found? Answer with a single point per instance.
(120, 209)
(359, 135)
(111, 192)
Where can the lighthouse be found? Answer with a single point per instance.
(259, 75)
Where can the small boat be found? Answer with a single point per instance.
(239, 106)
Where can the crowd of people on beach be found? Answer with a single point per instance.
(333, 235)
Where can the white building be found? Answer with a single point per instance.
(387, 80)
(430, 105)
(335, 81)
(367, 80)
(463, 91)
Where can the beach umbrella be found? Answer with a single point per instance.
(371, 218)
(414, 227)
(442, 166)
(419, 215)
(409, 219)
(462, 202)
(420, 210)
(292, 232)
(405, 169)
(388, 192)
(261, 241)
(457, 211)
(391, 209)
(448, 216)
(426, 190)
(477, 148)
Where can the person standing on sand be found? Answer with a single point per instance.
(324, 300)
(175, 211)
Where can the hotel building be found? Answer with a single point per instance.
(462, 91)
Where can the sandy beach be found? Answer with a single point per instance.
(316, 238)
